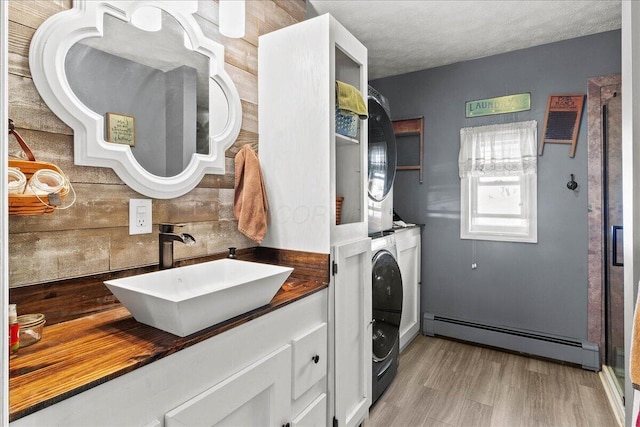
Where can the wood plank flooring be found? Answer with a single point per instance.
(442, 382)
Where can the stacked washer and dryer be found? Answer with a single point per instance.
(386, 278)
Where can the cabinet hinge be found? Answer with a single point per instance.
(335, 420)
(334, 268)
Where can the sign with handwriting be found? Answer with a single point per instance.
(121, 129)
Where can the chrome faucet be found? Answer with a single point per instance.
(165, 243)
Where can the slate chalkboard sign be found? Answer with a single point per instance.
(562, 121)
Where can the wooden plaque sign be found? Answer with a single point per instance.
(562, 121)
(499, 105)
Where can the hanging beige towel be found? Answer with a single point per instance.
(250, 201)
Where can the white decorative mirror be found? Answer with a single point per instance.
(142, 87)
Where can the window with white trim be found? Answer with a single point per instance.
(497, 168)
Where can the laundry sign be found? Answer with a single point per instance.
(499, 105)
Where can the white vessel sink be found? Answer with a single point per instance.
(187, 299)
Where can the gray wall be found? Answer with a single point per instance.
(539, 287)
(181, 118)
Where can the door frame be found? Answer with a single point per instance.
(4, 211)
(596, 314)
(631, 176)
(597, 234)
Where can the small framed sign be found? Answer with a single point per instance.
(121, 129)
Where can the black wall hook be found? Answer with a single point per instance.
(572, 185)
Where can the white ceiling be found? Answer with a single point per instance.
(403, 35)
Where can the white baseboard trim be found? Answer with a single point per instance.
(613, 393)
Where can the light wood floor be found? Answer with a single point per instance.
(447, 383)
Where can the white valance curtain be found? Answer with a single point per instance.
(499, 150)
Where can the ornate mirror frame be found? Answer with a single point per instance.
(49, 48)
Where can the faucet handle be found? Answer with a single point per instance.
(166, 227)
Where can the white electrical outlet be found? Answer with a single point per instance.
(140, 216)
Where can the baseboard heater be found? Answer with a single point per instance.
(570, 350)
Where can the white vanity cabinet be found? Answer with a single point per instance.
(306, 164)
(253, 374)
(408, 245)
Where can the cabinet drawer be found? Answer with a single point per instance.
(309, 359)
(257, 395)
(314, 415)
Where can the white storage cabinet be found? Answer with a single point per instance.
(306, 164)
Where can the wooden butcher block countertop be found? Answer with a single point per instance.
(79, 354)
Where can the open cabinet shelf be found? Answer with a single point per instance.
(346, 140)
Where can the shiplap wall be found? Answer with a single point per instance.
(93, 236)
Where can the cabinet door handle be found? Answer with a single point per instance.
(315, 358)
